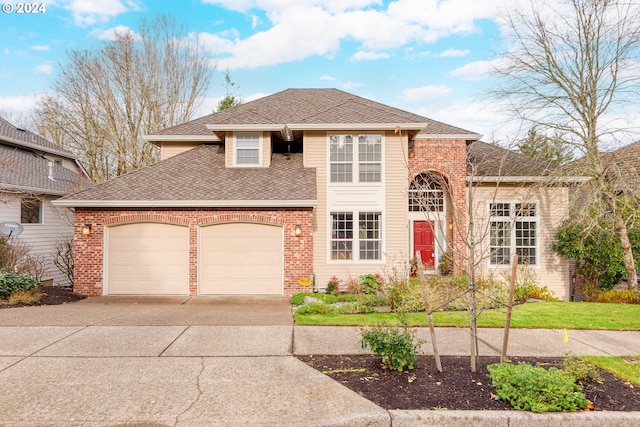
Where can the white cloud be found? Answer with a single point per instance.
(6, 51)
(19, 104)
(110, 34)
(417, 94)
(44, 69)
(43, 48)
(88, 12)
(369, 56)
(450, 53)
(293, 35)
(327, 78)
(476, 70)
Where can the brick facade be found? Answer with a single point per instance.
(89, 256)
(448, 159)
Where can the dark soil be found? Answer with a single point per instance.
(456, 388)
(51, 295)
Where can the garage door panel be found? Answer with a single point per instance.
(148, 258)
(241, 258)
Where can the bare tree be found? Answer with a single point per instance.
(571, 63)
(104, 100)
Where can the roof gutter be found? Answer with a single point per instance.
(315, 126)
(37, 147)
(184, 203)
(33, 190)
(181, 138)
(464, 136)
(524, 179)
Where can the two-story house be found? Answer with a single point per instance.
(300, 184)
(33, 173)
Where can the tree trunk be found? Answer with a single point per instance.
(627, 252)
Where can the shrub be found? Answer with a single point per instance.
(621, 296)
(16, 257)
(63, 259)
(333, 285)
(12, 282)
(396, 345)
(581, 370)
(317, 308)
(371, 283)
(533, 388)
(526, 286)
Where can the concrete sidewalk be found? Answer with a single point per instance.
(219, 362)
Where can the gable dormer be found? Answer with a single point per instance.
(248, 149)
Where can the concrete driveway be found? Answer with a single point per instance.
(201, 361)
(209, 361)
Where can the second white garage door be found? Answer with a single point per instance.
(147, 259)
(240, 259)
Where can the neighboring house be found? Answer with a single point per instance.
(300, 184)
(33, 172)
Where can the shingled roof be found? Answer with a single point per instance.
(23, 167)
(312, 107)
(198, 177)
(14, 135)
(488, 160)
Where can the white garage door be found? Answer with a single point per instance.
(147, 259)
(240, 259)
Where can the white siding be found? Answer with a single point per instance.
(392, 196)
(57, 225)
(552, 270)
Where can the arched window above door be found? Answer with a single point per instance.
(426, 193)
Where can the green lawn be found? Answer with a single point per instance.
(547, 315)
(626, 368)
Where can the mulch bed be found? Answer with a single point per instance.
(51, 295)
(456, 388)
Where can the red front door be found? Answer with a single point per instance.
(423, 241)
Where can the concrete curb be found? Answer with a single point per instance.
(403, 418)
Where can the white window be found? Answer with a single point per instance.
(247, 150)
(31, 211)
(367, 240)
(512, 230)
(367, 151)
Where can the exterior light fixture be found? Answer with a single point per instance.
(86, 230)
(298, 229)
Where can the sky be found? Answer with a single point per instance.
(424, 56)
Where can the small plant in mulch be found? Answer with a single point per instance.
(12, 283)
(396, 345)
(533, 388)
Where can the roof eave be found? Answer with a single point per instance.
(315, 126)
(181, 138)
(183, 203)
(458, 136)
(37, 147)
(524, 179)
(32, 190)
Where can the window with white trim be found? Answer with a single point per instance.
(368, 152)
(513, 230)
(367, 240)
(247, 149)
